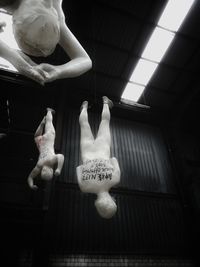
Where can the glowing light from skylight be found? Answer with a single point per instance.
(143, 71)
(133, 91)
(160, 40)
(158, 44)
(174, 14)
(7, 37)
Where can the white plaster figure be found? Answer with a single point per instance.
(98, 172)
(38, 26)
(44, 139)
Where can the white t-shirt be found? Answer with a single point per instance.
(97, 175)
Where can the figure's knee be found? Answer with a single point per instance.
(105, 116)
(105, 119)
(102, 145)
(105, 112)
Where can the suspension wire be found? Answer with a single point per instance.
(144, 97)
(8, 112)
(94, 55)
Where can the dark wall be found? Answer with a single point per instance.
(22, 106)
(184, 138)
(150, 217)
(143, 224)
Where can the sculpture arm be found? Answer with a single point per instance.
(60, 161)
(79, 62)
(34, 173)
(21, 62)
(117, 172)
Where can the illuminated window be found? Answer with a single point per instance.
(133, 91)
(143, 72)
(158, 44)
(160, 40)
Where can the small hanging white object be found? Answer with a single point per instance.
(47, 160)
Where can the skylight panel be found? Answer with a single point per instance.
(133, 91)
(158, 44)
(174, 14)
(143, 72)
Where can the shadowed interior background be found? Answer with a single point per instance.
(158, 148)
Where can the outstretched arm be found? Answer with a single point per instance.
(117, 172)
(80, 61)
(34, 173)
(60, 161)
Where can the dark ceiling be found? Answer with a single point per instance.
(114, 34)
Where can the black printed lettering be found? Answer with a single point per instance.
(98, 169)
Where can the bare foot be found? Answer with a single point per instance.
(84, 105)
(52, 110)
(106, 100)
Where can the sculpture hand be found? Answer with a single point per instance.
(51, 72)
(34, 75)
(26, 66)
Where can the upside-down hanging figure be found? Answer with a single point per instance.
(98, 172)
(44, 139)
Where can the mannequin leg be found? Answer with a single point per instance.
(103, 140)
(87, 138)
(49, 121)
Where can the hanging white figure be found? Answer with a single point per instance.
(44, 139)
(98, 172)
(38, 26)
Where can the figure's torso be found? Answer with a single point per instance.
(97, 169)
(97, 175)
(45, 144)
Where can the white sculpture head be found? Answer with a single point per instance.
(105, 205)
(36, 29)
(47, 173)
